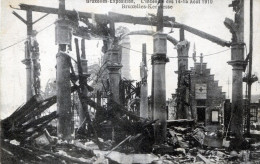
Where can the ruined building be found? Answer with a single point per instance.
(205, 100)
(207, 97)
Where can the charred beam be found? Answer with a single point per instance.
(40, 18)
(19, 17)
(117, 18)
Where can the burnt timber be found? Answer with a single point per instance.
(129, 131)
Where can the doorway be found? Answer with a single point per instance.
(201, 115)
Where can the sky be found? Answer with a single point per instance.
(205, 17)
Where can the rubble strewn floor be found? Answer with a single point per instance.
(185, 144)
(30, 137)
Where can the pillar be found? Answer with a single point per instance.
(144, 87)
(183, 111)
(64, 110)
(114, 75)
(28, 66)
(28, 61)
(159, 60)
(63, 38)
(36, 66)
(237, 63)
(125, 55)
(114, 67)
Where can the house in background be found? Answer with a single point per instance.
(207, 99)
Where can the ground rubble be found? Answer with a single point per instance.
(28, 136)
(184, 145)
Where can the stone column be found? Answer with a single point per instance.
(65, 119)
(36, 66)
(144, 87)
(28, 63)
(114, 75)
(159, 60)
(183, 54)
(65, 122)
(237, 62)
(125, 55)
(114, 67)
(183, 111)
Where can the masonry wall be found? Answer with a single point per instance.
(200, 74)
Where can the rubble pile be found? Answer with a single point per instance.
(31, 136)
(27, 122)
(198, 145)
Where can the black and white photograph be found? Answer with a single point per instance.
(129, 81)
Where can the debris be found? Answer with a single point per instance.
(14, 142)
(181, 122)
(225, 143)
(118, 145)
(199, 135)
(255, 155)
(42, 141)
(181, 151)
(212, 141)
(127, 158)
(204, 159)
(220, 154)
(51, 139)
(101, 160)
(164, 149)
(63, 155)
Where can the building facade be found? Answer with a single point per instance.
(207, 99)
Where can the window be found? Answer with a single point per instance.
(214, 116)
(253, 114)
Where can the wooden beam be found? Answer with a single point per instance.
(112, 28)
(55, 11)
(122, 18)
(40, 18)
(182, 36)
(19, 17)
(159, 26)
(204, 35)
(29, 22)
(117, 18)
(101, 17)
(67, 158)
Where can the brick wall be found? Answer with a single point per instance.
(200, 74)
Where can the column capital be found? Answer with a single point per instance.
(237, 64)
(160, 43)
(159, 48)
(114, 56)
(159, 59)
(112, 68)
(27, 62)
(63, 31)
(183, 48)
